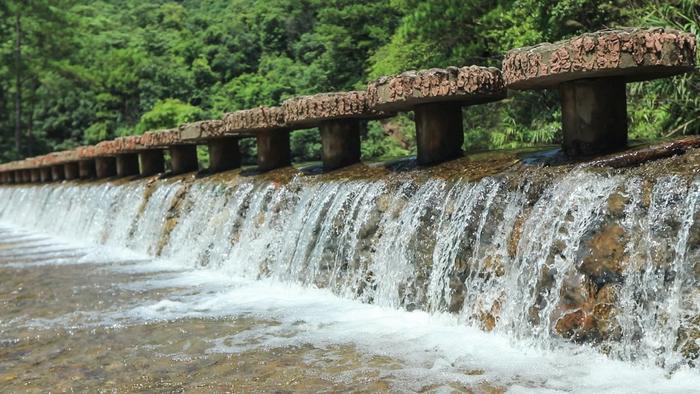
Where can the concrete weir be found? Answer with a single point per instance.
(590, 71)
(437, 96)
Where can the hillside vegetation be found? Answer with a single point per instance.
(76, 72)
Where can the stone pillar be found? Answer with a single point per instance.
(127, 164)
(273, 150)
(105, 167)
(340, 141)
(36, 175)
(224, 154)
(594, 116)
(57, 173)
(152, 162)
(183, 158)
(46, 174)
(86, 169)
(71, 170)
(26, 177)
(439, 134)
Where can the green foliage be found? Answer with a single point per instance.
(97, 132)
(667, 107)
(383, 139)
(305, 145)
(167, 114)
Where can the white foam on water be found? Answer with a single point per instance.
(436, 347)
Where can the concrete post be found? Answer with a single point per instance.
(86, 169)
(46, 174)
(36, 175)
(57, 173)
(183, 158)
(439, 134)
(594, 115)
(105, 167)
(127, 164)
(71, 171)
(152, 162)
(340, 141)
(224, 154)
(273, 150)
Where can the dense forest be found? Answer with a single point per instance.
(76, 72)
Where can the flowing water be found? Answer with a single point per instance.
(527, 279)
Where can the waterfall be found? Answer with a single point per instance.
(610, 259)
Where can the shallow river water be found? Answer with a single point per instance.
(486, 274)
(79, 317)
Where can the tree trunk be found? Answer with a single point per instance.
(18, 80)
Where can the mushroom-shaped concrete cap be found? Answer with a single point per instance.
(309, 111)
(254, 119)
(128, 144)
(469, 85)
(67, 156)
(86, 152)
(632, 53)
(106, 148)
(201, 130)
(161, 138)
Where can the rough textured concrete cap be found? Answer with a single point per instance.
(52, 159)
(255, 119)
(128, 144)
(106, 148)
(161, 138)
(201, 130)
(309, 111)
(636, 54)
(87, 152)
(470, 85)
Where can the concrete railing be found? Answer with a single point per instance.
(590, 72)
